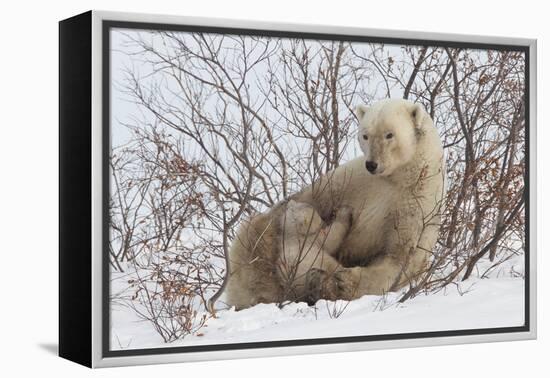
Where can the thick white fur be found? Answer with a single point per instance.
(307, 246)
(395, 211)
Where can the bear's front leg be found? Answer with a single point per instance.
(400, 264)
(401, 261)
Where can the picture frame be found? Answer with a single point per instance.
(90, 113)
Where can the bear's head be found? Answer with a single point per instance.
(389, 132)
(301, 219)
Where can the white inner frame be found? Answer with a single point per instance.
(99, 361)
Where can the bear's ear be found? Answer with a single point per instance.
(418, 114)
(360, 111)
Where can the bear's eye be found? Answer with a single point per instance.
(389, 135)
(365, 137)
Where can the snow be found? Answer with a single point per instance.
(473, 304)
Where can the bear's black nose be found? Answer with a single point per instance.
(371, 166)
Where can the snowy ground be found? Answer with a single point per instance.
(476, 303)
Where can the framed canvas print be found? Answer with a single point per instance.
(234, 189)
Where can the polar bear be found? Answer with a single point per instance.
(395, 191)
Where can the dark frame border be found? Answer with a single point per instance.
(107, 25)
(75, 189)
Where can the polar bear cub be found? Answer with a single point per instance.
(306, 267)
